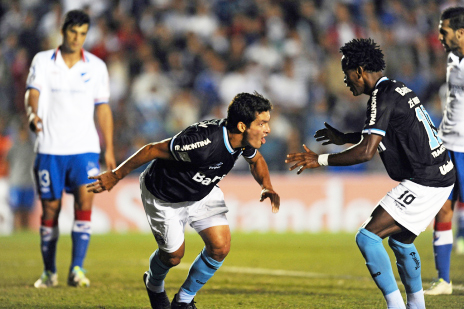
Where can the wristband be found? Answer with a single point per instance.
(323, 159)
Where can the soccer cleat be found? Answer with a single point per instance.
(460, 245)
(177, 305)
(46, 280)
(77, 278)
(157, 300)
(439, 287)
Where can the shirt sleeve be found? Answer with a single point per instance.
(36, 77)
(379, 113)
(249, 152)
(191, 146)
(102, 89)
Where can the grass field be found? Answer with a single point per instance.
(261, 271)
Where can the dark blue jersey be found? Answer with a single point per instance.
(203, 157)
(410, 147)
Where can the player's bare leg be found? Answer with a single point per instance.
(81, 232)
(217, 246)
(48, 239)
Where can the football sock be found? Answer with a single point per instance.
(442, 247)
(416, 300)
(395, 300)
(49, 233)
(80, 235)
(201, 270)
(156, 273)
(460, 213)
(379, 265)
(408, 263)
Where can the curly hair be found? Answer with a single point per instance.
(362, 53)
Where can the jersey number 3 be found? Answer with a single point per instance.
(423, 116)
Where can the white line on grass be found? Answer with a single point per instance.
(289, 273)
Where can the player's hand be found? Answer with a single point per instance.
(105, 182)
(329, 135)
(303, 160)
(273, 196)
(35, 123)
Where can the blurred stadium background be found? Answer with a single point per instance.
(174, 62)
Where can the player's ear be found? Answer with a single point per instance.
(359, 71)
(241, 127)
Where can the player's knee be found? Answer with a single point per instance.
(218, 251)
(171, 259)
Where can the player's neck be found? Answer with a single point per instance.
(235, 139)
(70, 57)
(371, 81)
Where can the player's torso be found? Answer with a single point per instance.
(452, 126)
(67, 105)
(410, 148)
(204, 158)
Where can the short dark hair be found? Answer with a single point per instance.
(245, 107)
(75, 17)
(455, 16)
(362, 53)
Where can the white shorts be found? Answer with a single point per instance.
(167, 220)
(414, 206)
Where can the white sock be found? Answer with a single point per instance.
(416, 300)
(395, 300)
(154, 288)
(183, 297)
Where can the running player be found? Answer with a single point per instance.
(399, 127)
(65, 88)
(451, 131)
(180, 186)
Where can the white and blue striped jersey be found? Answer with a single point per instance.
(67, 101)
(203, 156)
(451, 128)
(410, 148)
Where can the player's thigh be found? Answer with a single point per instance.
(167, 220)
(50, 172)
(414, 206)
(80, 168)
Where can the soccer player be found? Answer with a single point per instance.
(451, 131)
(65, 88)
(180, 186)
(399, 127)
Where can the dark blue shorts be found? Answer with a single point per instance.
(54, 173)
(22, 198)
(458, 191)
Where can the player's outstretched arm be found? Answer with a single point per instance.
(108, 179)
(359, 153)
(330, 135)
(260, 172)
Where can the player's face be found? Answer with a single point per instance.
(448, 39)
(257, 131)
(74, 37)
(354, 82)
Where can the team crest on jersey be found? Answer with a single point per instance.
(184, 156)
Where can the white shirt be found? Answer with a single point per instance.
(67, 101)
(451, 129)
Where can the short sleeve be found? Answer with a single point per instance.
(379, 112)
(36, 77)
(102, 87)
(249, 152)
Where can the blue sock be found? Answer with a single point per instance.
(408, 262)
(80, 236)
(202, 269)
(442, 247)
(377, 260)
(157, 271)
(48, 240)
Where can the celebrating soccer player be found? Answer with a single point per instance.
(180, 186)
(399, 127)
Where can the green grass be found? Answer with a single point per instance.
(300, 271)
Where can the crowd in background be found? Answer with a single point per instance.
(175, 62)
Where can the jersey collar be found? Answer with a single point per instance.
(382, 79)
(226, 140)
(55, 54)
